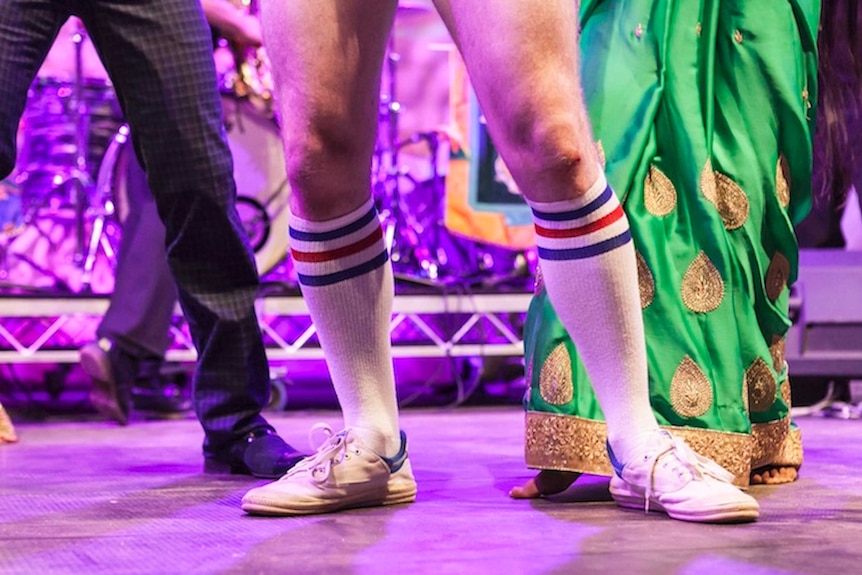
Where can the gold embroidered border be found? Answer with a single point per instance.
(776, 444)
(569, 443)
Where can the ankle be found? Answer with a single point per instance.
(381, 443)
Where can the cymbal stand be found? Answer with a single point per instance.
(73, 184)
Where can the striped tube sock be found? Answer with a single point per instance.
(346, 279)
(590, 273)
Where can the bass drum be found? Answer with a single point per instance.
(261, 181)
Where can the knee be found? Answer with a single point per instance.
(549, 148)
(326, 154)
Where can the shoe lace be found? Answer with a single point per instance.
(682, 460)
(330, 452)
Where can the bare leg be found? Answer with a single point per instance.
(327, 60)
(527, 81)
(328, 82)
(522, 59)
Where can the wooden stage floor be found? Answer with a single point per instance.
(85, 496)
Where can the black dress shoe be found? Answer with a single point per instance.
(261, 453)
(112, 371)
(159, 391)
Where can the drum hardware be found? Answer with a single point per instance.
(64, 183)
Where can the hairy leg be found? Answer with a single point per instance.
(327, 62)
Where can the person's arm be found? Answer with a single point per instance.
(233, 23)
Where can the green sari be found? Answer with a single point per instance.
(704, 114)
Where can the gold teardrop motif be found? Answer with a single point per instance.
(782, 181)
(659, 193)
(777, 275)
(731, 202)
(702, 286)
(761, 386)
(776, 350)
(707, 182)
(646, 282)
(690, 390)
(600, 150)
(555, 379)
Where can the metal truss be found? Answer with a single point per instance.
(51, 330)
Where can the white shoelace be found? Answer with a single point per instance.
(686, 460)
(332, 451)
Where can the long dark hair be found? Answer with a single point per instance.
(838, 136)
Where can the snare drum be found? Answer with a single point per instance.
(261, 181)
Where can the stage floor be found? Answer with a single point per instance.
(89, 497)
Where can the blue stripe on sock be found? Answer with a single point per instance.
(575, 214)
(329, 279)
(337, 233)
(587, 251)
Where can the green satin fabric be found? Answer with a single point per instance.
(673, 84)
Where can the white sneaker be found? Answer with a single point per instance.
(671, 477)
(342, 474)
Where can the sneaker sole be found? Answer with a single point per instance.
(396, 495)
(103, 396)
(729, 513)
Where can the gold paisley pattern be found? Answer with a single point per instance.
(646, 282)
(761, 386)
(776, 350)
(702, 287)
(555, 379)
(731, 202)
(690, 390)
(782, 182)
(569, 443)
(777, 275)
(659, 193)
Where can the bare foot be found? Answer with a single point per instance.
(546, 482)
(774, 475)
(7, 431)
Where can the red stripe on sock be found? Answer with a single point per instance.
(595, 226)
(349, 250)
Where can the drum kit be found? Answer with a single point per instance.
(74, 145)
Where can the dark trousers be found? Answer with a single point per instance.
(145, 295)
(158, 55)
